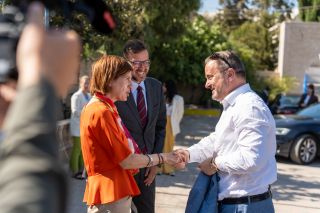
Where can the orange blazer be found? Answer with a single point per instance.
(104, 145)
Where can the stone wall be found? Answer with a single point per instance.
(299, 49)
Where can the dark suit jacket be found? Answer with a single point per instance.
(31, 177)
(153, 135)
(313, 99)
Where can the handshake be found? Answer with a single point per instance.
(180, 157)
(177, 158)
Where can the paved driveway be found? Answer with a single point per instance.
(297, 188)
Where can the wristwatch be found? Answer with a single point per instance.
(213, 164)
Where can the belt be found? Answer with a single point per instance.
(246, 199)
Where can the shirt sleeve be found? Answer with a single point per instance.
(203, 149)
(253, 150)
(76, 107)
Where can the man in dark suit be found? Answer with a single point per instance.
(308, 98)
(144, 114)
(32, 180)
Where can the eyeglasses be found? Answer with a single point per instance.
(221, 57)
(145, 63)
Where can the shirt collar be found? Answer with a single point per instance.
(134, 86)
(231, 97)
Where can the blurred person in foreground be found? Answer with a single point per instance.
(242, 147)
(111, 156)
(308, 98)
(32, 180)
(175, 110)
(144, 114)
(78, 100)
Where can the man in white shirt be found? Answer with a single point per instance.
(79, 99)
(242, 148)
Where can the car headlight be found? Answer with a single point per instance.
(282, 131)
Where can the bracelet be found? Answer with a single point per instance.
(150, 163)
(213, 164)
(162, 161)
(159, 158)
(149, 160)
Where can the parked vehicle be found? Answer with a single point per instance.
(298, 135)
(285, 104)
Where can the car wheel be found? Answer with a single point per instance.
(304, 149)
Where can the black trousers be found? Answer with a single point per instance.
(145, 202)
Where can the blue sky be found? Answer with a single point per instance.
(209, 6)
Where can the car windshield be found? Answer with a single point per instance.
(311, 111)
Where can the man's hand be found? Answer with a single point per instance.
(171, 158)
(184, 156)
(151, 173)
(208, 167)
(54, 55)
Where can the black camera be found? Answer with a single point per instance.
(12, 20)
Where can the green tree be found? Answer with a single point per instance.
(278, 85)
(309, 10)
(256, 37)
(281, 7)
(236, 12)
(233, 14)
(182, 59)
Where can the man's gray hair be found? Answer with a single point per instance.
(227, 59)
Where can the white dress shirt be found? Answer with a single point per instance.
(243, 144)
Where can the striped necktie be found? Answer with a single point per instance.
(141, 105)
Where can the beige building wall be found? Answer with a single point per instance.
(299, 49)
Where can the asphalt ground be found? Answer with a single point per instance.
(296, 190)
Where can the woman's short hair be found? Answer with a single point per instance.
(105, 70)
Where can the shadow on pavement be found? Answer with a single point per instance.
(297, 183)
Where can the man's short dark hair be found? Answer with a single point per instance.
(228, 59)
(133, 46)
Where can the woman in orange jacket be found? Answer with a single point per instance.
(111, 156)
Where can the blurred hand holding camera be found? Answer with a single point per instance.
(55, 55)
